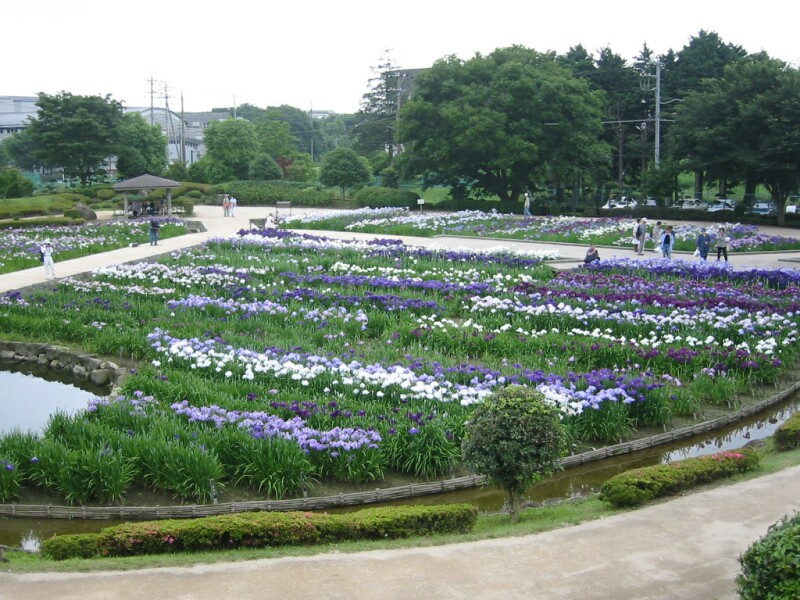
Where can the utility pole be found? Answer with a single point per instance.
(311, 118)
(152, 93)
(658, 114)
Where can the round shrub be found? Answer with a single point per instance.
(770, 565)
(105, 194)
(196, 194)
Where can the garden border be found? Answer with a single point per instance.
(378, 495)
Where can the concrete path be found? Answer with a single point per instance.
(683, 549)
(686, 548)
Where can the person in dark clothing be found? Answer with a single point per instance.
(154, 232)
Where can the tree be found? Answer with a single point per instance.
(746, 125)
(231, 145)
(76, 133)
(177, 171)
(514, 439)
(380, 105)
(297, 167)
(274, 138)
(343, 168)
(20, 150)
(264, 168)
(142, 148)
(495, 123)
(13, 184)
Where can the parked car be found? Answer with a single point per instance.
(721, 205)
(791, 209)
(615, 203)
(764, 209)
(651, 202)
(694, 204)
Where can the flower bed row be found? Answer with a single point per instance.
(275, 360)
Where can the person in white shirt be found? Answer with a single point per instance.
(233, 203)
(47, 258)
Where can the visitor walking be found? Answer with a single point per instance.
(655, 236)
(703, 243)
(722, 244)
(47, 259)
(226, 206)
(526, 208)
(233, 203)
(154, 232)
(667, 242)
(641, 235)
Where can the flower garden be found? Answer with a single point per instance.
(273, 361)
(607, 231)
(19, 248)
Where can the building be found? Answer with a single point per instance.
(15, 111)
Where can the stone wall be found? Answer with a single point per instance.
(85, 367)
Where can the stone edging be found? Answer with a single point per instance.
(82, 366)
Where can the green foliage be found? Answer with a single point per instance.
(264, 168)
(142, 147)
(76, 133)
(177, 171)
(379, 197)
(514, 439)
(264, 529)
(231, 145)
(343, 168)
(638, 486)
(13, 184)
(9, 481)
(770, 566)
(390, 178)
(787, 436)
(494, 123)
(268, 192)
(63, 547)
(105, 194)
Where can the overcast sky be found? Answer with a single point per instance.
(318, 53)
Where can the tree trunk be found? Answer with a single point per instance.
(514, 504)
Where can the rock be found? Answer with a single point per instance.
(85, 212)
(101, 377)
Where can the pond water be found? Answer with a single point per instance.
(576, 482)
(29, 394)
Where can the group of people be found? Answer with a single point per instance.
(663, 239)
(229, 203)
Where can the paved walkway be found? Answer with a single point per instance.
(681, 549)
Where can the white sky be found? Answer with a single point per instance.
(318, 53)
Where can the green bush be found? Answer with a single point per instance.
(62, 547)
(260, 193)
(186, 204)
(196, 194)
(638, 486)
(263, 529)
(771, 566)
(382, 197)
(105, 194)
(40, 222)
(787, 437)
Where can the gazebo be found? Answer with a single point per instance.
(146, 182)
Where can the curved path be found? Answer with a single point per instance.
(684, 548)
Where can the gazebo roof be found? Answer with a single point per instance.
(145, 182)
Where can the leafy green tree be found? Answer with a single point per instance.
(747, 125)
(380, 105)
(300, 125)
(514, 439)
(297, 167)
(343, 168)
(76, 133)
(496, 123)
(274, 138)
(142, 148)
(230, 146)
(13, 184)
(704, 57)
(264, 168)
(177, 171)
(20, 150)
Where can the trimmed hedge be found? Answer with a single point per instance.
(381, 197)
(787, 436)
(41, 222)
(261, 530)
(771, 566)
(259, 193)
(638, 486)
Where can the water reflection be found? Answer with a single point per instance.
(31, 393)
